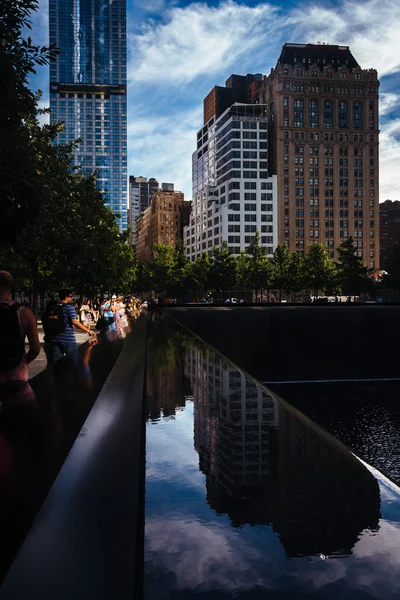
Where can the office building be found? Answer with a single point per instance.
(162, 222)
(233, 193)
(88, 90)
(323, 147)
(141, 191)
(389, 227)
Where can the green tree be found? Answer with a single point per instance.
(222, 269)
(353, 275)
(201, 273)
(182, 272)
(162, 268)
(295, 281)
(320, 272)
(281, 266)
(243, 269)
(20, 165)
(258, 265)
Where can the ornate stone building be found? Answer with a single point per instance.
(324, 148)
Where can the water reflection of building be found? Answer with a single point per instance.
(266, 463)
(166, 384)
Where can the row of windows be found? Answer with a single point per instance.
(327, 114)
(328, 137)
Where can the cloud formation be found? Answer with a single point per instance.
(200, 40)
(199, 46)
(180, 53)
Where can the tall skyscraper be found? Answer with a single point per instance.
(324, 148)
(88, 90)
(234, 195)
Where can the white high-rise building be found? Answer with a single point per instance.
(233, 194)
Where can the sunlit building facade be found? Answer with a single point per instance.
(324, 148)
(234, 195)
(88, 90)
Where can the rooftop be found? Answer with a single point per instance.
(319, 54)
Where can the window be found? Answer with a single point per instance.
(343, 120)
(298, 113)
(357, 115)
(313, 113)
(328, 114)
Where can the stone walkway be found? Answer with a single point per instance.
(40, 363)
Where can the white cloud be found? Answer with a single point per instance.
(388, 102)
(370, 27)
(40, 24)
(201, 40)
(162, 147)
(389, 161)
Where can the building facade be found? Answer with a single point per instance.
(234, 196)
(141, 191)
(162, 222)
(389, 227)
(88, 90)
(324, 148)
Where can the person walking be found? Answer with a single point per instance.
(59, 328)
(16, 322)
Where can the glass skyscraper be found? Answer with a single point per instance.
(88, 90)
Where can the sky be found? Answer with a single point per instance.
(179, 50)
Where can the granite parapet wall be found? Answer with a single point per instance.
(301, 343)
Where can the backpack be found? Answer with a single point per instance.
(53, 321)
(12, 343)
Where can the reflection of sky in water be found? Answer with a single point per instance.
(192, 551)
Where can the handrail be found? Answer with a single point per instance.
(83, 543)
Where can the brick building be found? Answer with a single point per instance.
(323, 146)
(162, 221)
(389, 227)
(141, 191)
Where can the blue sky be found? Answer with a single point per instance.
(178, 50)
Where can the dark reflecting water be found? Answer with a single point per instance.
(365, 417)
(247, 498)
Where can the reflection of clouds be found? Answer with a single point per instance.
(199, 555)
(215, 557)
(373, 568)
(172, 441)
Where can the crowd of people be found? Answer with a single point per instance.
(59, 320)
(108, 314)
